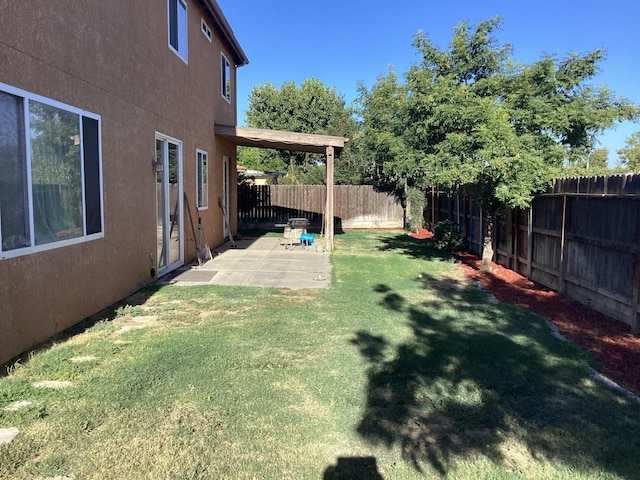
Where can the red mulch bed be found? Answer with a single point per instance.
(610, 341)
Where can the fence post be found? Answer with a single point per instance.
(481, 238)
(509, 234)
(561, 272)
(635, 325)
(433, 207)
(530, 242)
(465, 200)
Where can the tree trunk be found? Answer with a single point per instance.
(407, 206)
(487, 245)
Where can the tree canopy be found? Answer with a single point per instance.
(591, 164)
(470, 116)
(309, 108)
(630, 154)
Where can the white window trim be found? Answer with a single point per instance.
(198, 184)
(222, 77)
(184, 58)
(72, 241)
(206, 30)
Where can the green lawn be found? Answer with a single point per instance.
(400, 370)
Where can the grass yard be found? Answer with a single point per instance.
(401, 370)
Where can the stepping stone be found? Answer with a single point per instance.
(55, 384)
(492, 299)
(8, 434)
(128, 328)
(88, 358)
(144, 319)
(123, 342)
(15, 406)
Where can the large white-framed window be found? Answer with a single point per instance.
(177, 13)
(202, 179)
(51, 174)
(225, 70)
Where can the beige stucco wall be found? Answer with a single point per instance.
(111, 58)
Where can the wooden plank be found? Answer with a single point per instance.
(592, 287)
(607, 244)
(545, 268)
(281, 140)
(433, 207)
(633, 321)
(546, 232)
(358, 206)
(563, 263)
(510, 243)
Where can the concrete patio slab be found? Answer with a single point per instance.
(258, 262)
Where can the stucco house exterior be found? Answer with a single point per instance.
(108, 152)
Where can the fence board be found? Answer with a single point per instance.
(356, 206)
(593, 255)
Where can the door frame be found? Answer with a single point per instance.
(226, 196)
(169, 220)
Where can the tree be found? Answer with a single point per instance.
(469, 117)
(592, 164)
(310, 108)
(630, 154)
(598, 160)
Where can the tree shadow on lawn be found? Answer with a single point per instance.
(412, 247)
(480, 379)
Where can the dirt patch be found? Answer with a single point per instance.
(422, 234)
(610, 341)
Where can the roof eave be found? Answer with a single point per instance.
(223, 25)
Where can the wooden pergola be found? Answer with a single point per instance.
(301, 142)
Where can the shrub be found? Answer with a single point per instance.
(446, 236)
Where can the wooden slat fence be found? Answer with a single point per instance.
(356, 206)
(582, 238)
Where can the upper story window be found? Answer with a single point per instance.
(51, 182)
(206, 30)
(226, 78)
(178, 27)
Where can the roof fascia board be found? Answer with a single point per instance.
(223, 26)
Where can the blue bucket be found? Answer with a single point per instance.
(306, 238)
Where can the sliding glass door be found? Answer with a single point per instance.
(169, 203)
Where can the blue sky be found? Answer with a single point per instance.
(342, 43)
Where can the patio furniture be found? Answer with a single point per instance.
(293, 229)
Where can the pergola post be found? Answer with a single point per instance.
(328, 218)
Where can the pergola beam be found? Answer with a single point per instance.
(279, 140)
